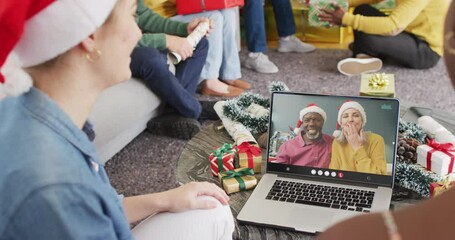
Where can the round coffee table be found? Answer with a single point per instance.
(193, 165)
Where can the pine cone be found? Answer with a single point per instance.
(406, 150)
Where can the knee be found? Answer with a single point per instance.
(147, 56)
(203, 45)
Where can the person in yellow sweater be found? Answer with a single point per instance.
(353, 148)
(410, 36)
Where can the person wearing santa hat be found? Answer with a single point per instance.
(310, 147)
(355, 149)
(56, 57)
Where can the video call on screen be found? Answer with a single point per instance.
(380, 129)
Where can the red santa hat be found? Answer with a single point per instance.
(310, 108)
(346, 105)
(35, 31)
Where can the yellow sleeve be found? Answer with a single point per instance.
(335, 159)
(403, 14)
(371, 159)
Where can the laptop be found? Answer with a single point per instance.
(310, 199)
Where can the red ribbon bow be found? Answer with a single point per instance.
(442, 147)
(250, 150)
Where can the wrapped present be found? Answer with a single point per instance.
(436, 157)
(196, 6)
(315, 10)
(237, 180)
(378, 85)
(222, 159)
(250, 156)
(436, 188)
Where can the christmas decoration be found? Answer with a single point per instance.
(278, 87)
(236, 110)
(236, 180)
(315, 10)
(435, 131)
(411, 130)
(436, 188)
(406, 150)
(222, 159)
(415, 177)
(250, 156)
(377, 84)
(437, 157)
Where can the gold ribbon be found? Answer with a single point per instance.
(378, 80)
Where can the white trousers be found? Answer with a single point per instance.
(211, 224)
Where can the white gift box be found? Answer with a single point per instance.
(440, 161)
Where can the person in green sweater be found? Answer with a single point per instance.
(410, 36)
(353, 148)
(177, 91)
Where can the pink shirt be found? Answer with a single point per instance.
(296, 152)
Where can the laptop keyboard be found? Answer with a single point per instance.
(322, 196)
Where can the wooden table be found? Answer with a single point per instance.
(193, 165)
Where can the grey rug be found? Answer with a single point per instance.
(148, 163)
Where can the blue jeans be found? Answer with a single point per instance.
(223, 60)
(253, 14)
(178, 91)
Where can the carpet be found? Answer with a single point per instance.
(148, 163)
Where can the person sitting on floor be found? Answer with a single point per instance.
(417, 222)
(253, 14)
(149, 62)
(223, 62)
(58, 57)
(411, 35)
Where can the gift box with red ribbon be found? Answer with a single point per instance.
(237, 180)
(437, 157)
(222, 159)
(250, 156)
(196, 6)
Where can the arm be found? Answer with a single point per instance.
(176, 200)
(157, 27)
(373, 161)
(65, 211)
(282, 156)
(393, 24)
(415, 222)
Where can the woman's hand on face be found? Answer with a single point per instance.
(179, 45)
(187, 197)
(193, 24)
(352, 135)
(333, 17)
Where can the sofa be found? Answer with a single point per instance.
(120, 114)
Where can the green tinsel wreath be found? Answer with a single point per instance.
(235, 109)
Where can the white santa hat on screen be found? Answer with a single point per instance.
(35, 31)
(310, 108)
(346, 105)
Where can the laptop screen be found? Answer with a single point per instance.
(342, 138)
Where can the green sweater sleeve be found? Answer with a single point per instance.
(403, 14)
(155, 27)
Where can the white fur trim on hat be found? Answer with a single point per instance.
(52, 31)
(311, 108)
(353, 105)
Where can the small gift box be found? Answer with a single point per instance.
(250, 156)
(315, 10)
(222, 159)
(237, 180)
(196, 6)
(436, 188)
(436, 157)
(378, 85)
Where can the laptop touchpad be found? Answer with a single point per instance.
(310, 220)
